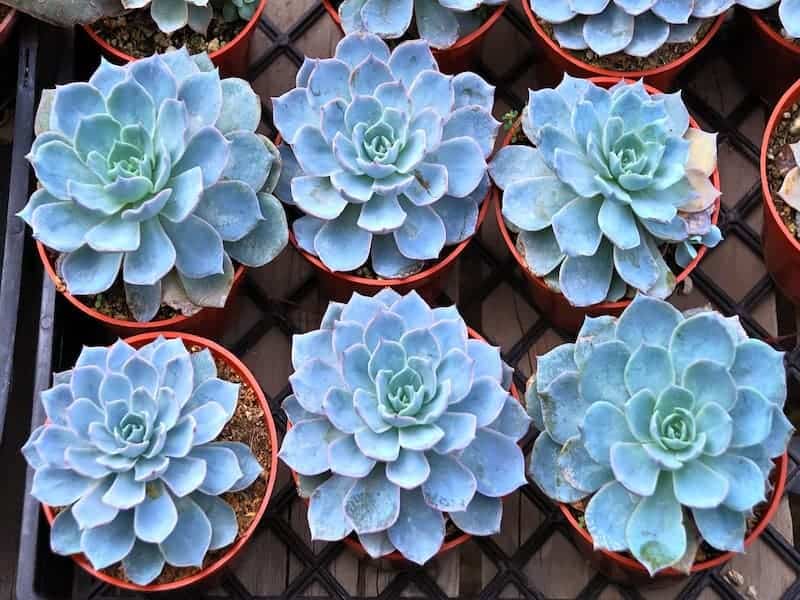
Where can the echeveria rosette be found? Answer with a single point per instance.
(154, 170)
(439, 22)
(399, 419)
(129, 453)
(660, 418)
(386, 156)
(637, 28)
(613, 178)
(171, 15)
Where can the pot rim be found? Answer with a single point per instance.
(598, 71)
(9, 19)
(460, 43)
(430, 272)
(769, 32)
(458, 540)
(631, 564)
(216, 55)
(606, 307)
(789, 97)
(163, 324)
(235, 548)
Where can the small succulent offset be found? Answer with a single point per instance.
(155, 169)
(635, 28)
(439, 22)
(663, 419)
(790, 188)
(171, 15)
(788, 11)
(398, 418)
(233, 10)
(614, 176)
(386, 156)
(128, 452)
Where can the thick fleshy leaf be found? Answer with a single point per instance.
(702, 336)
(326, 510)
(496, 461)
(410, 470)
(189, 541)
(450, 485)
(155, 517)
(301, 449)
(607, 514)
(482, 516)
(545, 472)
(107, 544)
(418, 531)
(373, 503)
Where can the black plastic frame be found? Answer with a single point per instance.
(44, 576)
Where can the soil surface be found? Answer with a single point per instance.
(112, 303)
(136, 34)
(780, 160)
(626, 64)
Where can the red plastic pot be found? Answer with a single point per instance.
(235, 549)
(560, 60)
(766, 47)
(459, 57)
(628, 571)
(781, 248)
(395, 559)
(208, 321)
(232, 59)
(429, 283)
(554, 305)
(7, 25)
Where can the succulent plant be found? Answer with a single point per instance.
(155, 169)
(386, 156)
(439, 22)
(661, 419)
(635, 28)
(788, 11)
(398, 418)
(128, 453)
(233, 10)
(612, 179)
(171, 15)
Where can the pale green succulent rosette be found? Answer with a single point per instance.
(665, 422)
(154, 172)
(614, 179)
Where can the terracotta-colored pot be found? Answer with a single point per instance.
(459, 57)
(7, 25)
(554, 305)
(235, 549)
(560, 60)
(429, 283)
(628, 571)
(781, 248)
(769, 62)
(232, 59)
(208, 321)
(395, 559)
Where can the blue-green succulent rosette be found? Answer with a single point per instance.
(613, 184)
(384, 156)
(401, 422)
(637, 29)
(788, 12)
(664, 425)
(153, 173)
(441, 23)
(130, 454)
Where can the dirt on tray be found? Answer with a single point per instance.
(626, 64)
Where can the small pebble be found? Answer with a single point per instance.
(734, 577)
(751, 592)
